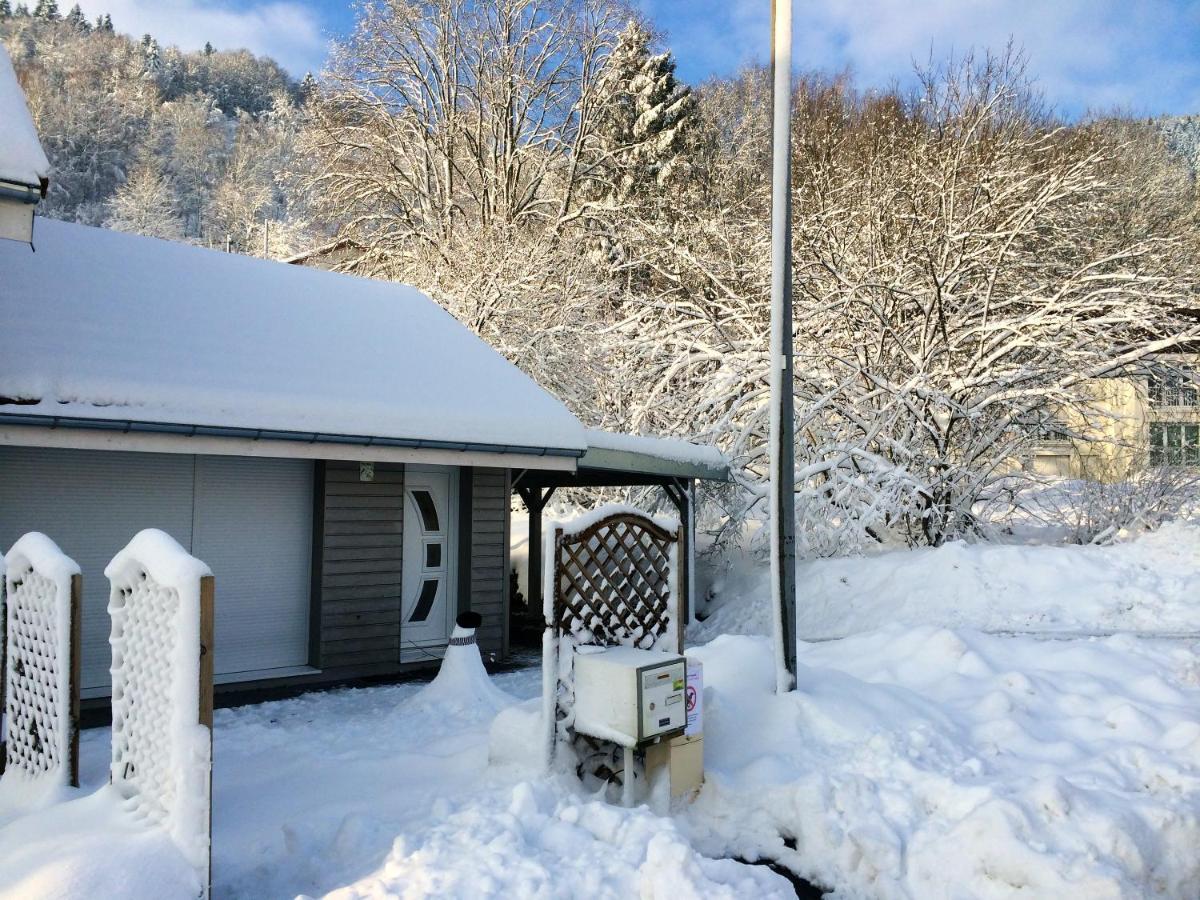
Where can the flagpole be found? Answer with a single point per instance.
(783, 449)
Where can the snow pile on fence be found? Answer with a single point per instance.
(160, 753)
(533, 842)
(39, 718)
(931, 763)
(1149, 584)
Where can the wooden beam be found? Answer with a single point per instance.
(76, 653)
(207, 594)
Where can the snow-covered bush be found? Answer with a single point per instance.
(1096, 512)
(161, 753)
(40, 698)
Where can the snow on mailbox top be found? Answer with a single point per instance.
(22, 159)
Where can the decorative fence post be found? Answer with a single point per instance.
(161, 604)
(611, 578)
(40, 683)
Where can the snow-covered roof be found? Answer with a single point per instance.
(652, 455)
(101, 325)
(22, 159)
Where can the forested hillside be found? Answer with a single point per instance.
(964, 260)
(146, 138)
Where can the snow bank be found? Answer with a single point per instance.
(21, 156)
(916, 763)
(671, 449)
(90, 847)
(160, 753)
(115, 326)
(1149, 584)
(534, 843)
(37, 709)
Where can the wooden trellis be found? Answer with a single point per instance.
(614, 582)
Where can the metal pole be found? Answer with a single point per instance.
(783, 450)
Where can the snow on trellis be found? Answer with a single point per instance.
(41, 668)
(611, 578)
(160, 604)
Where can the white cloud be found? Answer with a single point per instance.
(1143, 55)
(286, 30)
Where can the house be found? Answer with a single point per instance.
(24, 170)
(1133, 422)
(340, 451)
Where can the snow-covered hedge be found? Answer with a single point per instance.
(38, 703)
(161, 754)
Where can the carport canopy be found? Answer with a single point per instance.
(622, 460)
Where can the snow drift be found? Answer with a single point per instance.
(1150, 584)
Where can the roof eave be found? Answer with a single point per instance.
(646, 464)
(131, 426)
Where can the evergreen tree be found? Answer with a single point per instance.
(105, 24)
(152, 58)
(645, 113)
(22, 11)
(77, 20)
(5, 9)
(208, 49)
(308, 85)
(46, 9)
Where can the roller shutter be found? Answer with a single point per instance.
(249, 519)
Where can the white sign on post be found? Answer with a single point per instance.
(695, 697)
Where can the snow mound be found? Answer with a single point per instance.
(916, 763)
(91, 847)
(462, 683)
(541, 845)
(1150, 584)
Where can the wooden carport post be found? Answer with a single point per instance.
(682, 492)
(535, 500)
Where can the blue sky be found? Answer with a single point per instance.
(1139, 55)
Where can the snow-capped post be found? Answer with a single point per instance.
(161, 605)
(783, 425)
(43, 590)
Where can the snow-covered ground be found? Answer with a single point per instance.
(916, 760)
(1149, 584)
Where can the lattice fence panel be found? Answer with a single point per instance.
(41, 696)
(161, 610)
(612, 582)
(145, 643)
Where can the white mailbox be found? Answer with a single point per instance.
(630, 696)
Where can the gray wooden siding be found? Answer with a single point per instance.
(362, 541)
(489, 556)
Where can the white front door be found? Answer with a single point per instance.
(430, 600)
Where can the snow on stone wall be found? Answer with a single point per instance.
(161, 754)
(38, 707)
